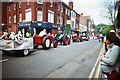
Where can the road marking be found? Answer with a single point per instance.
(3, 60)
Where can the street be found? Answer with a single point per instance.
(73, 61)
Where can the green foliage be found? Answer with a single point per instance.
(103, 28)
(67, 29)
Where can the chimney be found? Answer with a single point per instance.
(82, 14)
(71, 4)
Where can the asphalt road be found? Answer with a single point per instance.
(72, 61)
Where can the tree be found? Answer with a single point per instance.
(118, 14)
(111, 12)
(103, 28)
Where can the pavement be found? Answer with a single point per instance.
(96, 72)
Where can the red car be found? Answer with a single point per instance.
(77, 38)
(85, 38)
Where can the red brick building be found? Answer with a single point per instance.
(3, 14)
(31, 11)
(56, 12)
(64, 14)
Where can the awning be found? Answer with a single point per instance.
(24, 25)
(38, 24)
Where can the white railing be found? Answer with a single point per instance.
(96, 72)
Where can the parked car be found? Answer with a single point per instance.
(77, 38)
(85, 38)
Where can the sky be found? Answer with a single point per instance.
(95, 8)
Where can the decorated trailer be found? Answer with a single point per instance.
(32, 37)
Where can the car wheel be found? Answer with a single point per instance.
(65, 40)
(55, 44)
(25, 52)
(74, 40)
(81, 40)
(69, 41)
(46, 43)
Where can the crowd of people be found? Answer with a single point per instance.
(12, 36)
(19, 36)
(110, 59)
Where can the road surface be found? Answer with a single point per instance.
(72, 61)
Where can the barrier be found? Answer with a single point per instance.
(96, 72)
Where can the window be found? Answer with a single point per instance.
(14, 18)
(61, 8)
(51, 3)
(9, 8)
(58, 6)
(20, 4)
(50, 16)
(39, 15)
(14, 6)
(66, 11)
(58, 19)
(28, 15)
(39, 1)
(9, 19)
(20, 17)
(28, 2)
(61, 20)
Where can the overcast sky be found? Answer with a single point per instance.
(95, 8)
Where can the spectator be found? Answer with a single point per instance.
(42, 33)
(19, 36)
(27, 34)
(4, 35)
(119, 41)
(110, 60)
(12, 35)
